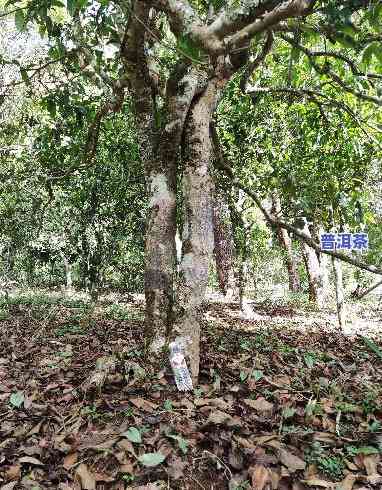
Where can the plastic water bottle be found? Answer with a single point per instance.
(179, 367)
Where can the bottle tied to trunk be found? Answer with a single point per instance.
(179, 367)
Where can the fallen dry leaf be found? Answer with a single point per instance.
(374, 480)
(292, 462)
(350, 465)
(215, 402)
(348, 482)
(275, 479)
(260, 404)
(98, 440)
(244, 442)
(9, 486)
(143, 404)
(316, 482)
(175, 467)
(35, 430)
(64, 486)
(13, 472)
(260, 476)
(85, 478)
(218, 417)
(30, 460)
(263, 440)
(103, 477)
(370, 463)
(127, 446)
(69, 460)
(325, 437)
(126, 468)
(298, 486)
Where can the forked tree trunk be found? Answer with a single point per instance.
(313, 271)
(286, 244)
(339, 288)
(197, 229)
(224, 248)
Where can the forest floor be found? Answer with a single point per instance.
(285, 401)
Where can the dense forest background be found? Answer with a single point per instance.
(167, 170)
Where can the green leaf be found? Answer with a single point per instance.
(372, 346)
(376, 17)
(346, 41)
(373, 49)
(133, 434)
(377, 50)
(183, 446)
(11, 2)
(16, 399)
(347, 29)
(309, 360)
(24, 75)
(243, 376)
(217, 4)
(168, 405)
(20, 20)
(295, 54)
(182, 443)
(51, 107)
(288, 412)
(71, 6)
(348, 407)
(257, 375)
(189, 48)
(151, 459)
(366, 450)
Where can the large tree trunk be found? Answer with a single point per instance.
(286, 244)
(313, 271)
(158, 151)
(197, 229)
(339, 288)
(160, 250)
(160, 256)
(224, 248)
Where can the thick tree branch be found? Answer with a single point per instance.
(231, 20)
(286, 10)
(244, 23)
(184, 21)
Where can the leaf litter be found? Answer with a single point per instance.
(276, 408)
